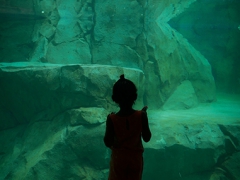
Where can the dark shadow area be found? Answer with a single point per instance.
(16, 39)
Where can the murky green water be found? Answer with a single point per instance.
(60, 58)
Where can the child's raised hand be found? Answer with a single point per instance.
(144, 109)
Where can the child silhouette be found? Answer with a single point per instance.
(124, 131)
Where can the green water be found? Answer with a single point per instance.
(60, 58)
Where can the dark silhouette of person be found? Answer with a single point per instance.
(124, 133)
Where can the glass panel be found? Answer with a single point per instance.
(60, 58)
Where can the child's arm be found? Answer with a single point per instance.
(109, 133)
(146, 133)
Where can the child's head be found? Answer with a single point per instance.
(124, 92)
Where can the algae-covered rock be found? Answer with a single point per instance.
(86, 116)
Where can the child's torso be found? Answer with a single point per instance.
(128, 131)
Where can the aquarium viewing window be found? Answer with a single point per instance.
(60, 58)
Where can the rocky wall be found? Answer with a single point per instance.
(133, 34)
(57, 89)
(212, 28)
(52, 106)
(53, 121)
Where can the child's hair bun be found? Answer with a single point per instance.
(122, 77)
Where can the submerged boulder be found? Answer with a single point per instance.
(184, 97)
(52, 119)
(86, 116)
(34, 91)
(192, 147)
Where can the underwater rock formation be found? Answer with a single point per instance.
(57, 94)
(53, 111)
(191, 150)
(53, 120)
(184, 97)
(125, 35)
(131, 34)
(211, 27)
(58, 88)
